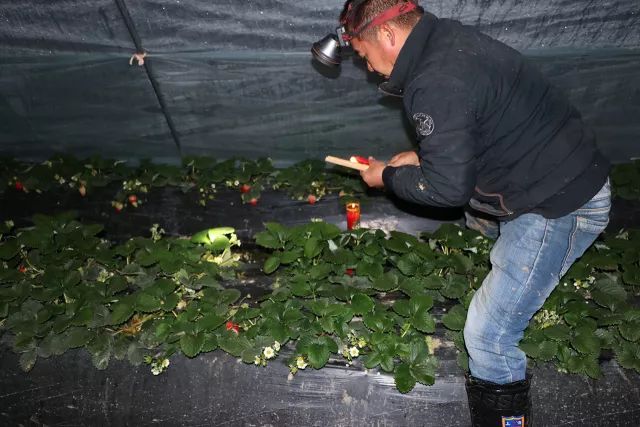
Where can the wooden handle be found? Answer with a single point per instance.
(346, 163)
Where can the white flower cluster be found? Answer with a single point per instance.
(207, 194)
(156, 232)
(546, 318)
(59, 179)
(134, 185)
(354, 344)
(300, 363)
(157, 365)
(267, 353)
(350, 353)
(103, 276)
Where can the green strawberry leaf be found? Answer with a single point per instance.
(405, 382)
(455, 318)
(191, 344)
(271, 264)
(318, 355)
(361, 303)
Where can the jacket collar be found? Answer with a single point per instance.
(409, 55)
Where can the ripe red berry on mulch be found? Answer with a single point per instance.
(22, 269)
(19, 186)
(253, 202)
(312, 199)
(133, 199)
(245, 188)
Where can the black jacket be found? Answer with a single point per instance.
(492, 131)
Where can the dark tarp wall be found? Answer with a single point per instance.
(236, 78)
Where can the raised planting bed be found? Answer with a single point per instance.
(234, 314)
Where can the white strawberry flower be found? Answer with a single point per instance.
(276, 346)
(300, 363)
(354, 352)
(268, 352)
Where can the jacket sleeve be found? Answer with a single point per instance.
(444, 115)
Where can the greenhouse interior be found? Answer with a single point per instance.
(204, 219)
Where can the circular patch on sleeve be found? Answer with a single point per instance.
(424, 124)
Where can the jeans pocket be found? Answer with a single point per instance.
(587, 227)
(593, 217)
(594, 224)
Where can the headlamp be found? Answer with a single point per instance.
(328, 50)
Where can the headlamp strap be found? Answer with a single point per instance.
(387, 15)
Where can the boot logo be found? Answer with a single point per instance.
(513, 421)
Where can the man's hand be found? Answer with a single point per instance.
(373, 175)
(406, 158)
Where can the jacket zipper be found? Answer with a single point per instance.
(499, 196)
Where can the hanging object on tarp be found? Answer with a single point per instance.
(138, 57)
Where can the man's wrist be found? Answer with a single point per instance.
(387, 176)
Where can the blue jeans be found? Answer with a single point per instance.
(528, 260)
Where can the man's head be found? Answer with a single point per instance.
(378, 40)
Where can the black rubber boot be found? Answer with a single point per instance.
(499, 405)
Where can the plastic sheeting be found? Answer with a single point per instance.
(292, 25)
(215, 389)
(237, 77)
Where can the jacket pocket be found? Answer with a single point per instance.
(490, 203)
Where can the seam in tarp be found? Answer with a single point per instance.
(124, 11)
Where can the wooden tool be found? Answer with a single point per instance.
(346, 163)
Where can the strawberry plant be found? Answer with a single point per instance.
(360, 296)
(303, 181)
(363, 297)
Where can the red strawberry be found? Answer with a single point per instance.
(22, 268)
(312, 199)
(245, 188)
(19, 186)
(349, 272)
(133, 199)
(232, 327)
(253, 201)
(359, 159)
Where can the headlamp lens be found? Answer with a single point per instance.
(328, 51)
